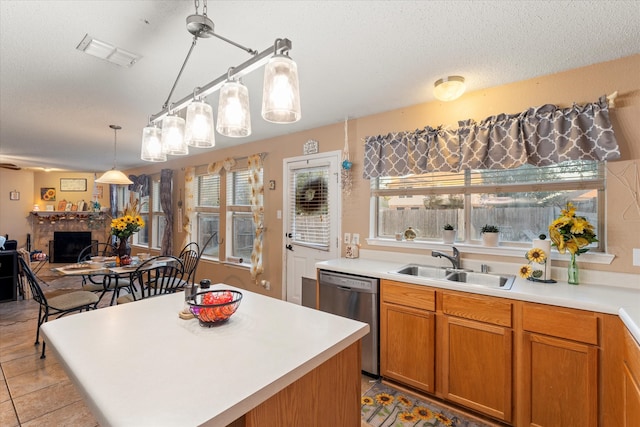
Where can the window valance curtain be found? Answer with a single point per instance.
(257, 213)
(539, 136)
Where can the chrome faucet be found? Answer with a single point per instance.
(455, 259)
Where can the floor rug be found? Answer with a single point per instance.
(383, 406)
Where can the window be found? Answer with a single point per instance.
(239, 218)
(151, 212)
(208, 213)
(522, 202)
(228, 214)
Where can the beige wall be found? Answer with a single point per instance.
(580, 86)
(14, 214)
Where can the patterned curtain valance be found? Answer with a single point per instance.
(539, 136)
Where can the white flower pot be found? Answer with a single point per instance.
(448, 236)
(490, 239)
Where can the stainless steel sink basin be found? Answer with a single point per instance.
(488, 280)
(427, 271)
(483, 279)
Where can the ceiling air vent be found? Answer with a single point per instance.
(107, 51)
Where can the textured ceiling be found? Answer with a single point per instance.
(355, 58)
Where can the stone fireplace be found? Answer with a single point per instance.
(46, 225)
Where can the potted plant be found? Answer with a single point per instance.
(448, 233)
(490, 235)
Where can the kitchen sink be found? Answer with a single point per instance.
(428, 271)
(488, 280)
(483, 279)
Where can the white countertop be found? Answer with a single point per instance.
(139, 364)
(623, 301)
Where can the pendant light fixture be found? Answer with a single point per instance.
(234, 116)
(199, 129)
(281, 97)
(114, 176)
(173, 136)
(152, 145)
(449, 88)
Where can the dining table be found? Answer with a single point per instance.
(109, 276)
(271, 363)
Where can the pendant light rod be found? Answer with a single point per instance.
(115, 128)
(280, 46)
(184, 64)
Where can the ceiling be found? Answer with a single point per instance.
(355, 58)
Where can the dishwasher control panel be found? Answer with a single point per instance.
(362, 283)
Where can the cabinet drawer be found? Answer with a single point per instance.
(483, 309)
(561, 322)
(408, 295)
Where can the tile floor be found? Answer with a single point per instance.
(34, 391)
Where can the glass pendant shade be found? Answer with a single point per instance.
(114, 176)
(152, 145)
(199, 127)
(449, 88)
(234, 117)
(281, 93)
(173, 141)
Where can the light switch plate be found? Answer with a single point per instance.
(636, 257)
(355, 239)
(347, 238)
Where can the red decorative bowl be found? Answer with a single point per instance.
(214, 307)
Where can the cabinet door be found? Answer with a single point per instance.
(631, 389)
(560, 382)
(477, 366)
(407, 349)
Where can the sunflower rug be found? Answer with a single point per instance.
(383, 406)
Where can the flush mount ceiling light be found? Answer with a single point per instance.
(449, 88)
(114, 176)
(280, 104)
(107, 51)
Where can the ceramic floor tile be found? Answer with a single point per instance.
(4, 392)
(24, 349)
(51, 374)
(38, 403)
(8, 417)
(26, 364)
(76, 414)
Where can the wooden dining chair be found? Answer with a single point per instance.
(156, 276)
(76, 301)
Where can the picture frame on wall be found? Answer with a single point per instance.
(73, 184)
(14, 195)
(48, 194)
(62, 205)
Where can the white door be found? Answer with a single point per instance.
(311, 206)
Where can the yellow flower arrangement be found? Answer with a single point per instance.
(126, 225)
(570, 232)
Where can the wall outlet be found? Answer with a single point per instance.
(355, 239)
(636, 257)
(347, 238)
(279, 214)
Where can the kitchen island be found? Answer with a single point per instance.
(272, 363)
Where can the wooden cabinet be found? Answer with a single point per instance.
(559, 367)
(407, 334)
(631, 382)
(477, 353)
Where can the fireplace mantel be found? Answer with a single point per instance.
(45, 223)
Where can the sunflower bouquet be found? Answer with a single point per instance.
(126, 225)
(570, 232)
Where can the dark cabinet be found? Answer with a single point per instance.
(8, 275)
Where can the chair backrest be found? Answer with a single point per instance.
(190, 257)
(11, 245)
(27, 273)
(159, 275)
(96, 249)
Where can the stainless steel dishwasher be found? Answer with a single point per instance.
(354, 297)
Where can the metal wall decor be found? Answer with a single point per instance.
(310, 147)
(14, 195)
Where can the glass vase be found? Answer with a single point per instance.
(572, 271)
(123, 247)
